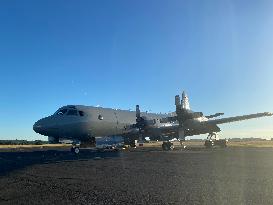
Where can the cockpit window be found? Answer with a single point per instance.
(72, 112)
(61, 112)
(81, 113)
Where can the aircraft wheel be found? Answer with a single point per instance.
(182, 145)
(171, 147)
(167, 146)
(209, 144)
(164, 146)
(75, 150)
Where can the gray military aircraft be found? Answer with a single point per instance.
(84, 123)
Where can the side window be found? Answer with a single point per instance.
(81, 113)
(72, 112)
(62, 112)
(100, 117)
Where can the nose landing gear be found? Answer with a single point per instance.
(75, 149)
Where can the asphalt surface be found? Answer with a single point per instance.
(141, 176)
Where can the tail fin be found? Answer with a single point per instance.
(185, 101)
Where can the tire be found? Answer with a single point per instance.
(164, 147)
(167, 146)
(75, 150)
(209, 144)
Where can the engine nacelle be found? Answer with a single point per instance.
(195, 115)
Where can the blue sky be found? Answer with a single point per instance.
(121, 53)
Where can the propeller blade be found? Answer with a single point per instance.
(137, 112)
(177, 101)
(181, 133)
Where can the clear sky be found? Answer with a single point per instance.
(122, 53)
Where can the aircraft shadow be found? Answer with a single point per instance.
(10, 161)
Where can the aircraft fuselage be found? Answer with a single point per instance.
(95, 121)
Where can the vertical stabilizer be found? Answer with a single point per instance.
(185, 101)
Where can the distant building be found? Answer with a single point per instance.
(195, 140)
(236, 139)
(65, 141)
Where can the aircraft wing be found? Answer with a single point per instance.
(239, 118)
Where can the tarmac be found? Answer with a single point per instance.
(239, 175)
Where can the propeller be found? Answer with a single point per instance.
(140, 122)
(180, 117)
(182, 114)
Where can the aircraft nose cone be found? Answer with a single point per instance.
(37, 127)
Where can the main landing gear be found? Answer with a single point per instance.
(213, 140)
(75, 149)
(167, 146)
